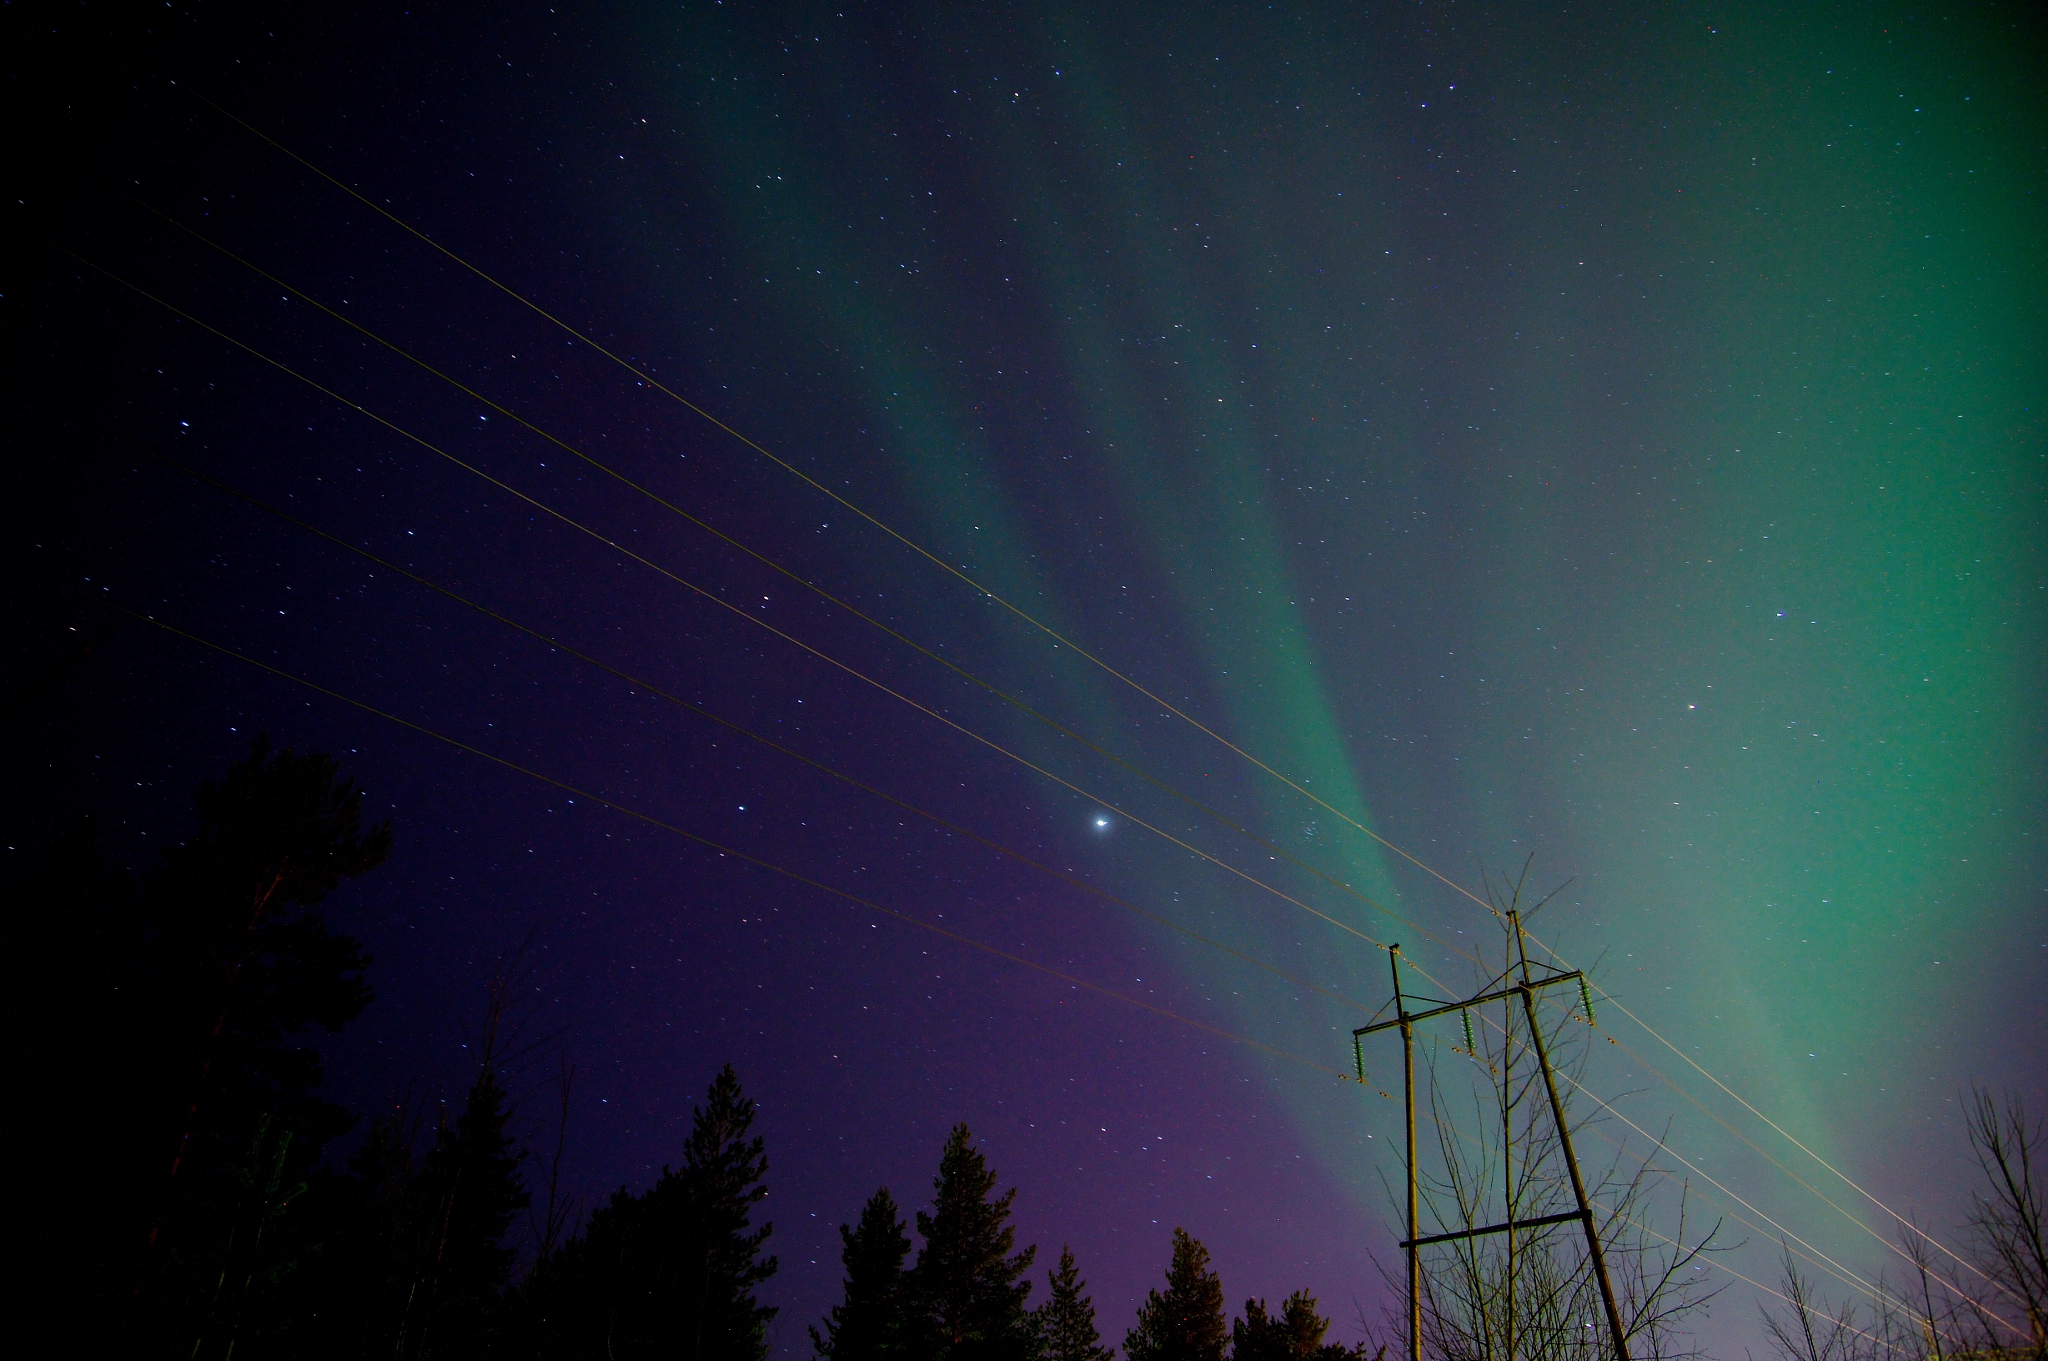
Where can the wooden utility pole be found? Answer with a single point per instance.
(1408, 1078)
(1505, 988)
(1507, 1163)
(1564, 1138)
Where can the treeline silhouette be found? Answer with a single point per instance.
(203, 1218)
(197, 1213)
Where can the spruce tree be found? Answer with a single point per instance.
(1066, 1321)
(722, 1262)
(669, 1273)
(1294, 1334)
(869, 1324)
(967, 1298)
(1185, 1323)
(468, 1191)
(354, 1304)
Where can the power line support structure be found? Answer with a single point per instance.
(1518, 984)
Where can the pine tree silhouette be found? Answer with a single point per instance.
(869, 1324)
(356, 1302)
(238, 956)
(465, 1199)
(201, 989)
(1066, 1321)
(670, 1273)
(1185, 1323)
(968, 1303)
(1295, 1334)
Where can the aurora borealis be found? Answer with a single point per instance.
(1598, 434)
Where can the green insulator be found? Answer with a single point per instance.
(1586, 1000)
(1358, 1056)
(1470, 1048)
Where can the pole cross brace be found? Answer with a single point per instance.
(1412, 1017)
(1568, 1217)
(1525, 988)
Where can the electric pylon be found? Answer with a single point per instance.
(1508, 987)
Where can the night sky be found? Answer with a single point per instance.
(1058, 475)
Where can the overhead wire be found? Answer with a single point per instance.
(726, 538)
(1903, 1220)
(647, 378)
(651, 381)
(959, 938)
(1877, 1291)
(1897, 1251)
(1717, 1264)
(1847, 1275)
(828, 596)
(618, 547)
(1073, 881)
(727, 605)
(1827, 1264)
(956, 937)
(1666, 1080)
(1614, 1215)
(1812, 1253)
(654, 383)
(1953, 1287)
(944, 661)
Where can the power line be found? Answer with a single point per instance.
(657, 385)
(957, 937)
(1812, 1254)
(793, 470)
(1822, 1260)
(1796, 1143)
(797, 642)
(1891, 1246)
(658, 692)
(1453, 1131)
(1028, 618)
(1877, 1290)
(855, 611)
(758, 622)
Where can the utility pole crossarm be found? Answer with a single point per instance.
(1520, 994)
(1447, 1008)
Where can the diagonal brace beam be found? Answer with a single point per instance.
(1568, 1217)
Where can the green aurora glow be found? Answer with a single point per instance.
(1662, 466)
